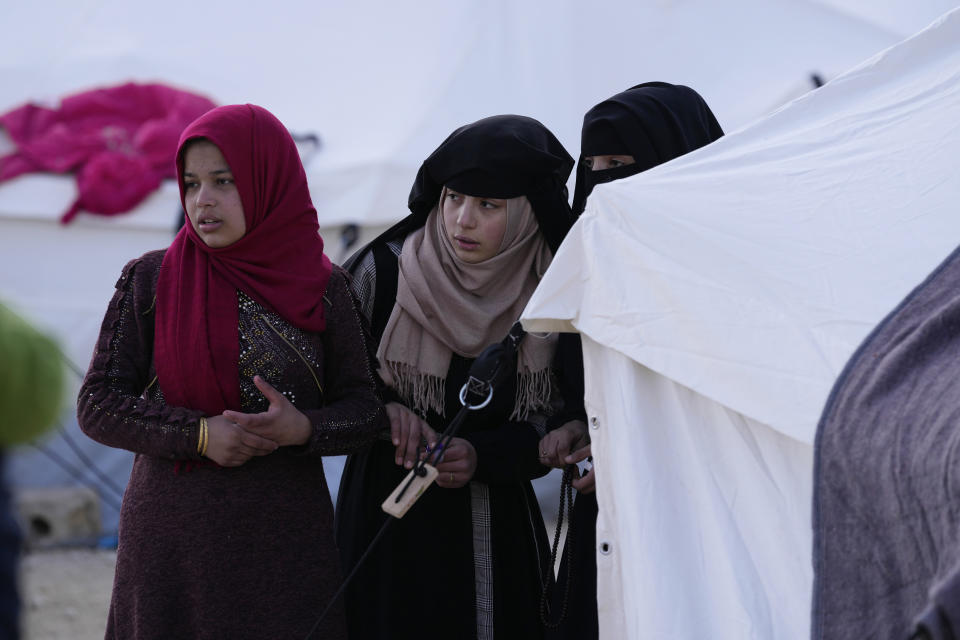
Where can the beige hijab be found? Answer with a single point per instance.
(446, 305)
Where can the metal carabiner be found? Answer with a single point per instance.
(475, 407)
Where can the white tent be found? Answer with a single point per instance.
(895, 16)
(381, 83)
(718, 297)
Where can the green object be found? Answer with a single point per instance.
(31, 380)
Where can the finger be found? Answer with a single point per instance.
(578, 455)
(436, 453)
(562, 449)
(257, 445)
(448, 480)
(428, 452)
(459, 468)
(259, 423)
(452, 452)
(253, 453)
(456, 459)
(253, 420)
(235, 456)
(552, 457)
(426, 434)
(401, 437)
(272, 395)
(396, 422)
(413, 443)
(250, 452)
(586, 483)
(546, 450)
(409, 437)
(542, 447)
(546, 443)
(236, 417)
(242, 420)
(429, 434)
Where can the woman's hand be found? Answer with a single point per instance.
(231, 446)
(406, 430)
(585, 483)
(282, 422)
(557, 445)
(458, 464)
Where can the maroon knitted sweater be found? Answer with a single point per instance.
(241, 552)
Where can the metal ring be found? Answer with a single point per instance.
(474, 407)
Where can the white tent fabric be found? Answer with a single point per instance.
(381, 83)
(895, 16)
(719, 296)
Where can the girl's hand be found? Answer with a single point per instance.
(282, 422)
(458, 465)
(406, 430)
(231, 446)
(587, 482)
(557, 445)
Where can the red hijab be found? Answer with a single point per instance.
(279, 262)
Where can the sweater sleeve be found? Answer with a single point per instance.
(352, 413)
(112, 407)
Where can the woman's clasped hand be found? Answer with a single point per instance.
(415, 440)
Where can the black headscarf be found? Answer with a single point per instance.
(654, 122)
(497, 157)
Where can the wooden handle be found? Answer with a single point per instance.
(413, 492)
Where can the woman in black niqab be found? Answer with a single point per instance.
(653, 122)
(633, 131)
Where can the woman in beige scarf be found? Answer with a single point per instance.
(489, 209)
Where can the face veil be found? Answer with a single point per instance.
(654, 122)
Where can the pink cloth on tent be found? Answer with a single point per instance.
(120, 140)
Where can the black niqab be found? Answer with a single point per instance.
(654, 122)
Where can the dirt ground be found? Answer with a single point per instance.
(66, 593)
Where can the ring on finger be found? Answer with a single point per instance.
(451, 476)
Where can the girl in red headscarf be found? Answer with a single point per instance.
(229, 364)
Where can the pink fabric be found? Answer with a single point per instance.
(279, 262)
(120, 141)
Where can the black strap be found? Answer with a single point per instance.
(492, 366)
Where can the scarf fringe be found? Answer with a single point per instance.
(420, 390)
(533, 393)
(424, 392)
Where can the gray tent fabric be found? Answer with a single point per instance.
(887, 477)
